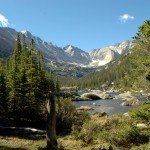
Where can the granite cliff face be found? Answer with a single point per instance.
(54, 55)
(104, 55)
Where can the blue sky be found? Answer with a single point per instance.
(87, 24)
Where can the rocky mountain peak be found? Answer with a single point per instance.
(68, 55)
(76, 53)
(104, 55)
(26, 33)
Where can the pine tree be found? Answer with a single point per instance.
(13, 80)
(51, 83)
(3, 90)
(43, 75)
(57, 84)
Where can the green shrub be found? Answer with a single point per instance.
(122, 135)
(141, 113)
(142, 147)
(65, 111)
(89, 132)
(92, 96)
(67, 116)
(116, 130)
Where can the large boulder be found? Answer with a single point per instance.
(124, 96)
(129, 100)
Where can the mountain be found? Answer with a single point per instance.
(69, 54)
(7, 41)
(51, 53)
(104, 55)
(77, 55)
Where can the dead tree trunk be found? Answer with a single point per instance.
(51, 123)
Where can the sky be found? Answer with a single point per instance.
(87, 24)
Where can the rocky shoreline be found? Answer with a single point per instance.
(127, 98)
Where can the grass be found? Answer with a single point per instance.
(27, 141)
(21, 140)
(99, 128)
(16, 143)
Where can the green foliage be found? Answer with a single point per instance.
(92, 96)
(24, 82)
(51, 83)
(65, 111)
(122, 135)
(79, 119)
(67, 116)
(141, 147)
(57, 84)
(3, 89)
(116, 130)
(141, 113)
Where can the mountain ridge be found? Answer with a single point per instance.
(68, 54)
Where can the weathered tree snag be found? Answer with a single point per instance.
(51, 123)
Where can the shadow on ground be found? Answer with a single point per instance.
(10, 148)
(22, 134)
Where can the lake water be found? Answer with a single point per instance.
(110, 106)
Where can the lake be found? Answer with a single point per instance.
(110, 106)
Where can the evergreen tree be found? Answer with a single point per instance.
(51, 83)
(26, 82)
(3, 90)
(13, 80)
(43, 75)
(57, 84)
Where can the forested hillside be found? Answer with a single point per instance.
(127, 72)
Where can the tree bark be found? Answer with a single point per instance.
(51, 123)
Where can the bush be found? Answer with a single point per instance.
(67, 116)
(122, 135)
(89, 132)
(92, 96)
(65, 111)
(116, 130)
(141, 113)
(80, 119)
(142, 147)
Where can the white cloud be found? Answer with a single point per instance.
(125, 17)
(3, 21)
